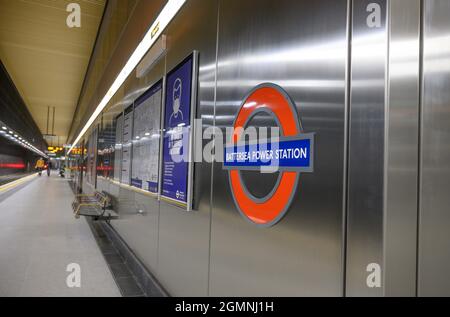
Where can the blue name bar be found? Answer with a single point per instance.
(296, 154)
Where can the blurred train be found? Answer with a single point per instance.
(14, 161)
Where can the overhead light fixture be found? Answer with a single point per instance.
(166, 15)
(14, 137)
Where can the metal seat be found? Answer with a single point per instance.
(98, 206)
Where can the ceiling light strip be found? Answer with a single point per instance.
(167, 14)
(15, 137)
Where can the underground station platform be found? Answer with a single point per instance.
(221, 155)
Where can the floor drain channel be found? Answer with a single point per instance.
(122, 275)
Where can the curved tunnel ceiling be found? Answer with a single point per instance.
(46, 59)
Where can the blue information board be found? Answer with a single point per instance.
(177, 124)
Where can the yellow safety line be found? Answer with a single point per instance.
(16, 183)
(139, 191)
(173, 201)
(135, 189)
(115, 182)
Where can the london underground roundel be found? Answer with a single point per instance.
(291, 153)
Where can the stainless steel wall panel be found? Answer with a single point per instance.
(102, 184)
(138, 225)
(434, 233)
(139, 213)
(402, 146)
(363, 106)
(301, 46)
(383, 147)
(366, 145)
(127, 205)
(183, 253)
(114, 189)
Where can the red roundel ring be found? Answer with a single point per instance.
(269, 210)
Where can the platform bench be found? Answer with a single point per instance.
(98, 206)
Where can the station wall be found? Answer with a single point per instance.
(356, 215)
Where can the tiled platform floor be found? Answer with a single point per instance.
(39, 237)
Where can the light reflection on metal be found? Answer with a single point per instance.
(167, 14)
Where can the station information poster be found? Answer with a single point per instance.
(126, 144)
(118, 147)
(146, 139)
(177, 122)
